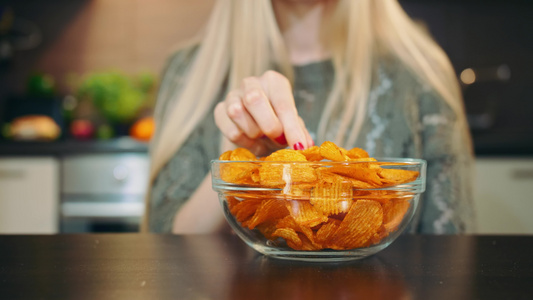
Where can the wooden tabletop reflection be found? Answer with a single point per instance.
(136, 266)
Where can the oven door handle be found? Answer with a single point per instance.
(101, 210)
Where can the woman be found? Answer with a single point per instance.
(267, 74)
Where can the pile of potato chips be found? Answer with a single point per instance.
(331, 201)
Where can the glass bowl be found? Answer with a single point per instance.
(319, 211)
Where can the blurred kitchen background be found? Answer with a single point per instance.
(78, 80)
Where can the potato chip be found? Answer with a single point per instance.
(366, 172)
(381, 196)
(245, 209)
(332, 199)
(286, 175)
(274, 175)
(256, 178)
(268, 229)
(393, 213)
(330, 151)
(286, 155)
(298, 190)
(327, 177)
(326, 231)
(290, 222)
(226, 155)
(290, 236)
(307, 244)
(396, 176)
(363, 159)
(358, 227)
(242, 154)
(312, 153)
(357, 153)
(238, 173)
(305, 234)
(271, 209)
(305, 214)
(232, 201)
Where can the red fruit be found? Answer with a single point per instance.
(82, 129)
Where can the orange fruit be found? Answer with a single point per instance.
(143, 129)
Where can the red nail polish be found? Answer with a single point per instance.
(312, 143)
(298, 146)
(281, 139)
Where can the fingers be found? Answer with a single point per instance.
(310, 141)
(260, 108)
(229, 128)
(237, 113)
(278, 90)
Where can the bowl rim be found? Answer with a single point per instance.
(409, 161)
(417, 186)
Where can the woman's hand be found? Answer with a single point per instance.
(261, 115)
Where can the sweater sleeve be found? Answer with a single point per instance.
(447, 204)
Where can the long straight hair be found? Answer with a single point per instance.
(242, 39)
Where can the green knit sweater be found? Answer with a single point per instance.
(404, 118)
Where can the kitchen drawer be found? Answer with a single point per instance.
(504, 195)
(105, 174)
(29, 195)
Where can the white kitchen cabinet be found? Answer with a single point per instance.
(29, 195)
(504, 195)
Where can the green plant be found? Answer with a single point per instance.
(117, 96)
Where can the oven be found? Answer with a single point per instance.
(103, 192)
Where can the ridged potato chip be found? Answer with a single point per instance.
(307, 244)
(268, 210)
(366, 172)
(268, 229)
(396, 176)
(359, 226)
(357, 153)
(239, 172)
(232, 201)
(289, 222)
(330, 151)
(226, 155)
(242, 154)
(245, 209)
(393, 213)
(327, 177)
(290, 235)
(332, 199)
(381, 196)
(274, 175)
(326, 231)
(305, 214)
(286, 155)
(312, 154)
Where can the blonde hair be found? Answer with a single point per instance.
(243, 39)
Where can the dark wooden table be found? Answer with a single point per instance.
(135, 266)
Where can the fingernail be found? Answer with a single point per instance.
(281, 139)
(298, 146)
(312, 143)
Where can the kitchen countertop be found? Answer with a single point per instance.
(147, 266)
(493, 145)
(503, 144)
(66, 147)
